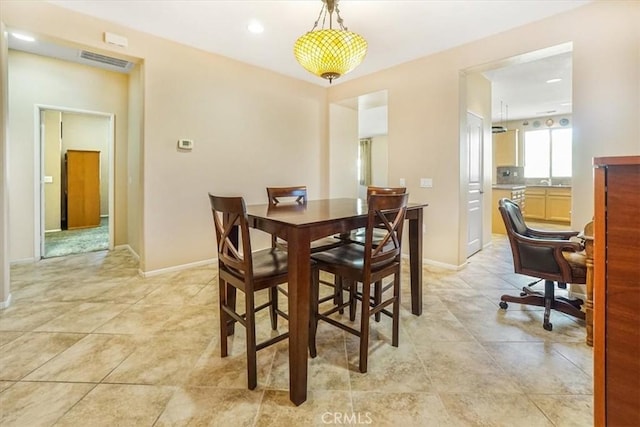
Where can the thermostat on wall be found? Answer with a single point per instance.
(185, 144)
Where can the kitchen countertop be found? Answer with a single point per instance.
(508, 186)
(549, 186)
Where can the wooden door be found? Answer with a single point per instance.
(83, 188)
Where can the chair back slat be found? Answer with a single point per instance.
(386, 213)
(232, 234)
(277, 193)
(372, 189)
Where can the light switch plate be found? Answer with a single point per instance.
(426, 182)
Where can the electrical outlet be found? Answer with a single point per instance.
(185, 144)
(403, 182)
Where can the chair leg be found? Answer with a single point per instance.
(337, 299)
(252, 368)
(548, 303)
(377, 298)
(273, 307)
(395, 336)
(224, 318)
(313, 318)
(230, 293)
(364, 327)
(353, 287)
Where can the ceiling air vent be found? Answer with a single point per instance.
(118, 63)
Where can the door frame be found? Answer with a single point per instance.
(39, 172)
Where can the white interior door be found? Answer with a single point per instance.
(475, 191)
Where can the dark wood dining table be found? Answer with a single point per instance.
(299, 225)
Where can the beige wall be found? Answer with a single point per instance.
(52, 168)
(343, 151)
(231, 109)
(36, 80)
(424, 112)
(380, 161)
(133, 179)
(5, 280)
(251, 128)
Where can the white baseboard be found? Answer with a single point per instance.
(6, 303)
(426, 261)
(23, 261)
(177, 268)
(444, 265)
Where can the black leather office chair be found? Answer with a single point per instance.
(547, 255)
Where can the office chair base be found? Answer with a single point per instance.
(546, 300)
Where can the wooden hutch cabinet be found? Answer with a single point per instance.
(616, 293)
(82, 189)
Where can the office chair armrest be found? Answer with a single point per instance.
(552, 234)
(557, 245)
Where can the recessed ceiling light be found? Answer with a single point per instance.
(255, 27)
(554, 80)
(23, 37)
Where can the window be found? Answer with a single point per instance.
(364, 162)
(547, 153)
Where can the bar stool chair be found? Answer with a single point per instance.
(282, 197)
(366, 264)
(357, 236)
(241, 269)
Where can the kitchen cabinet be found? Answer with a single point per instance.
(516, 193)
(82, 188)
(536, 203)
(558, 205)
(616, 291)
(548, 203)
(505, 148)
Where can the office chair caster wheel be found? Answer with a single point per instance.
(503, 305)
(547, 326)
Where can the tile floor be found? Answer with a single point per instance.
(87, 341)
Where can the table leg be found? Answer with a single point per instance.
(415, 261)
(299, 287)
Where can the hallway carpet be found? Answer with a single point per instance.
(67, 242)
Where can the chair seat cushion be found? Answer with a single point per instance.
(578, 263)
(360, 237)
(269, 262)
(349, 255)
(325, 243)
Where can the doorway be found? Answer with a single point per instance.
(358, 153)
(76, 176)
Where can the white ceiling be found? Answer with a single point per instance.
(396, 31)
